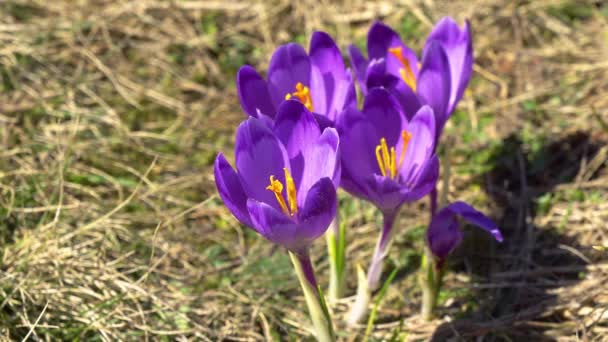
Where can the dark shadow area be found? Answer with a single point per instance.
(520, 273)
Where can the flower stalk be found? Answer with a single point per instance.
(367, 285)
(317, 309)
(386, 236)
(430, 279)
(431, 272)
(336, 246)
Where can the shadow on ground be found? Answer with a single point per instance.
(534, 259)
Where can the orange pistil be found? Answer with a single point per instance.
(406, 72)
(303, 94)
(277, 188)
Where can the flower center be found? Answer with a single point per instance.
(387, 159)
(277, 188)
(406, 72)
(303, 94)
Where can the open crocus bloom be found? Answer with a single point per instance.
(286, 176)
(319, 80)
(438, 79)
(444, 234)
(387, 159)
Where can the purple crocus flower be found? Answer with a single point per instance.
(318, 79)
(286, 176)
(387, 159)
(444, 235)
(438, 79)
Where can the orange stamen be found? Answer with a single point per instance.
(277, 188)
(406, 72)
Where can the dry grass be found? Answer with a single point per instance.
(111, 113)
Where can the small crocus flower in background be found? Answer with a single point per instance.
(284, 187)
(438, 79)
(443, 236)
(318, 79)
(387, 160)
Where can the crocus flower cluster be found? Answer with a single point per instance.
(305, 136)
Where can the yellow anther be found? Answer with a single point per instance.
(406, 72)
(387, 159)
(277, 188)
(393, 163)
(291, 192)
(302, 93)
(379, 159)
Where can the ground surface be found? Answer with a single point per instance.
(111, 113)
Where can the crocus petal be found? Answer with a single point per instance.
(345, 95)
(320, 161)
(459, 49)
(272, 224)
(473, 216)
(421, 145)
(330, 83)
(379, 39)
(323, 121)
(434, 81)
(298, 130)
(318, 211)
(355, 136)
(253, 93)
(425, 181)
(384, 193)
(325, 55)
(295, 127)
(382, 110)
(289, 65)
(376, 75)
(443, 234)
(408, 99)
(359, 64)
(230, 189)
(351, 183)
(259, 154)
(358, 140)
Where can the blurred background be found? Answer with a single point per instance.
(112, 112)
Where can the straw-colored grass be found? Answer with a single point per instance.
(111, 113)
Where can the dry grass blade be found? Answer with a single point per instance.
(112, 112)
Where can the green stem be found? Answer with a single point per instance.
(430, 279)
(336, 248)
(431, 273)
(314, 298)
(374, 272)
(362, 299)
